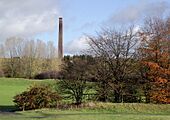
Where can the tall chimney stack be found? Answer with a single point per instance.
(60, 38)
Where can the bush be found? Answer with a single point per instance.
(47, 75)
(37, 97)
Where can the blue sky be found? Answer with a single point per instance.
(39, 18)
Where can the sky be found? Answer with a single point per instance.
(38, 19)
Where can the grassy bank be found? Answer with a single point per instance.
(110, 111)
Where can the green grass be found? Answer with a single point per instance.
(83, 114)
(9, 87)
(135, 108)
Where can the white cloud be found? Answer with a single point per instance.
(27, 18)
(77, 46)
(139, 11)
(127, 15)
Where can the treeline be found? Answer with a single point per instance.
(125, 65)
(121, 65)
(27, 58)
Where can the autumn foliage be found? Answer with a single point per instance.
(155, 52)
(37, 97)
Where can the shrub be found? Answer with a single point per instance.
(37, 97)
(47, 75)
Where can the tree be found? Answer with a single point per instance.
(155, 57)
(13, 52)
(2, 53)
(31, 54)
(74, 77)
(116, 50)
(26, 58)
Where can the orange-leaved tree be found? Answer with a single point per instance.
(155, 56)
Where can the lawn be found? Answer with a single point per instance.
(83, 114)
(97, 111)
(9, 87)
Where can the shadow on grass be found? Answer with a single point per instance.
(8, 108)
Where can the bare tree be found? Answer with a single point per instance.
(13, 52)
(26, 58)
(2, 51)
(116, 50)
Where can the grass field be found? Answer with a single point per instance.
(119, 113)
(101, 111)
(9, 87)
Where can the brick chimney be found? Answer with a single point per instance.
(60, 38)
